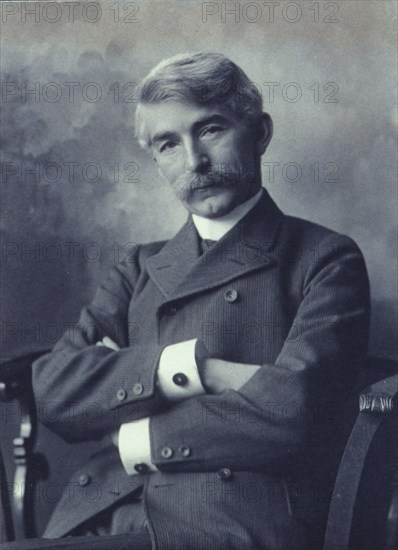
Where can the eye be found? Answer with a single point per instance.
(212, 130)
(167, 146)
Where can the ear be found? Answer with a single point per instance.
(265, 130)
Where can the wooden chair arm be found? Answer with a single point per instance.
(6, 523)
(16, 375)
(16, 383)
(377, 403)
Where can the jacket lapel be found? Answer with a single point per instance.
(179, 270)
(175, 260)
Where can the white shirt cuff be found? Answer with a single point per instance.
(135, 447)
(178, 371)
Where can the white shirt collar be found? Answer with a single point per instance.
(217, 228)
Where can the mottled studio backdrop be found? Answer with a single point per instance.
(76, 189)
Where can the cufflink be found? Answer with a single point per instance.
(180, 379)
(141, 468)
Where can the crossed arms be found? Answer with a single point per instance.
(199, 372)
(79, 372)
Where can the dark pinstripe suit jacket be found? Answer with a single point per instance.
(301, 311)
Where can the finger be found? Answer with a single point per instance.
(115, 438)
(109, 343)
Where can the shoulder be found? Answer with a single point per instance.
(308, 236)
(150, 249)
(312, 251)
(137, 254)
(130, 264)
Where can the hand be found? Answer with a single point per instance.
(115, 437)
(218, 375)
(108, 343)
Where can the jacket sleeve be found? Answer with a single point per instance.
(284, 407)
(79, 386)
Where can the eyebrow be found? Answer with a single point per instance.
(212, 119)
(162, 136)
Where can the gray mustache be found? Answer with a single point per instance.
(187, 184)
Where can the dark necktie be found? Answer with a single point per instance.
(206, 244)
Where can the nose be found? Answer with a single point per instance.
(196, 158)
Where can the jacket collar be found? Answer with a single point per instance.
(179, 269)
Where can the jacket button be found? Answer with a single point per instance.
(224, 473)
(172, 310)
(231, 295)
(121, 395)
(166, 452)
(180, 379)
(138, 388)
(141, 468)
(184, 451)
(84, 479)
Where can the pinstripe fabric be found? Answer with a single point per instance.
(300, 309)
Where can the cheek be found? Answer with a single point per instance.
(226, 153)
(238, 150)
(170, 171)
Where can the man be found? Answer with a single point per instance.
(225, 401)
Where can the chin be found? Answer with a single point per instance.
(212, 205)
(210, 208)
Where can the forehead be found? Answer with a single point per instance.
(177, 117)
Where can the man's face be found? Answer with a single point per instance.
(209, 157)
